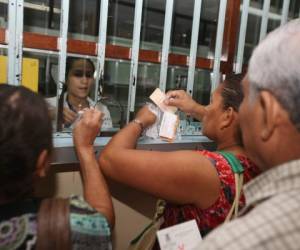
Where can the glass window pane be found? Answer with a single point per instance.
(84, 19)
(147, 82)
(42, 16)
(40, 69)
(294, 9)
(276, 6)
(120, 22)
(177, 78)
(252, 35)
(115, 90)
(182, 26)
(272, 25)
(152, 29)
(202, 86)
(3, 14)
(208, 28)
(258, 4)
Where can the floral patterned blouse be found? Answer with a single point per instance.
(209, 218)
(18, 226)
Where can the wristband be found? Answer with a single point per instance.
(137, 121)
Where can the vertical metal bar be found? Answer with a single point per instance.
(219, 42)
(194, 46)
(62, 46)
(264, 20)
(134, 57)
(285, 12)
(15, 41)
(242, 36)
(101, 49)
(19, 41)
(11, 35)
(166, 44)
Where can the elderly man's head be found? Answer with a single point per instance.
(270, 112)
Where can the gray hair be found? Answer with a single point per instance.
(275, 67)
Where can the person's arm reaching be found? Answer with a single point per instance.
(185, 103)
(96, 192)
(184, 177)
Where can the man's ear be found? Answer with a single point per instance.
(227, 117)
(43, 163)
(271, 112)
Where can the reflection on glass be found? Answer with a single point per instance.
(115, 90)
(42, 16)
(252, 35)
(182, 26)
(202, 85)
(147, 82)
(120, 22)
(294, 10)
(208, 28)
(257, 3)
(177, 78)
(84, 19)
(152, 29)
(276, 6)
(272, 25)
(3, 14)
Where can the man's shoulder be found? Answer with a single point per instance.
(272, 224)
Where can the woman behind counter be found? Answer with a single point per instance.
(74, 96)
(196, 184)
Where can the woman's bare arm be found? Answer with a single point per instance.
(180, 176)
(96, 192)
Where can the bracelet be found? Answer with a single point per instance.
(137, 121)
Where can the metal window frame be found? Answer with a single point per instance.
(62, 47)
(242, 36)
(219, 44)
(15, 41)
(134, 58)
(101, 46)
(194, 46)
(166, 45)
(265, 19)
(285, 12)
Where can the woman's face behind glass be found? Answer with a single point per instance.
(80, 79)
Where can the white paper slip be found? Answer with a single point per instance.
(168, 126)
(184, 236)
(158, 98)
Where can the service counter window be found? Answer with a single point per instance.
(124, 49)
